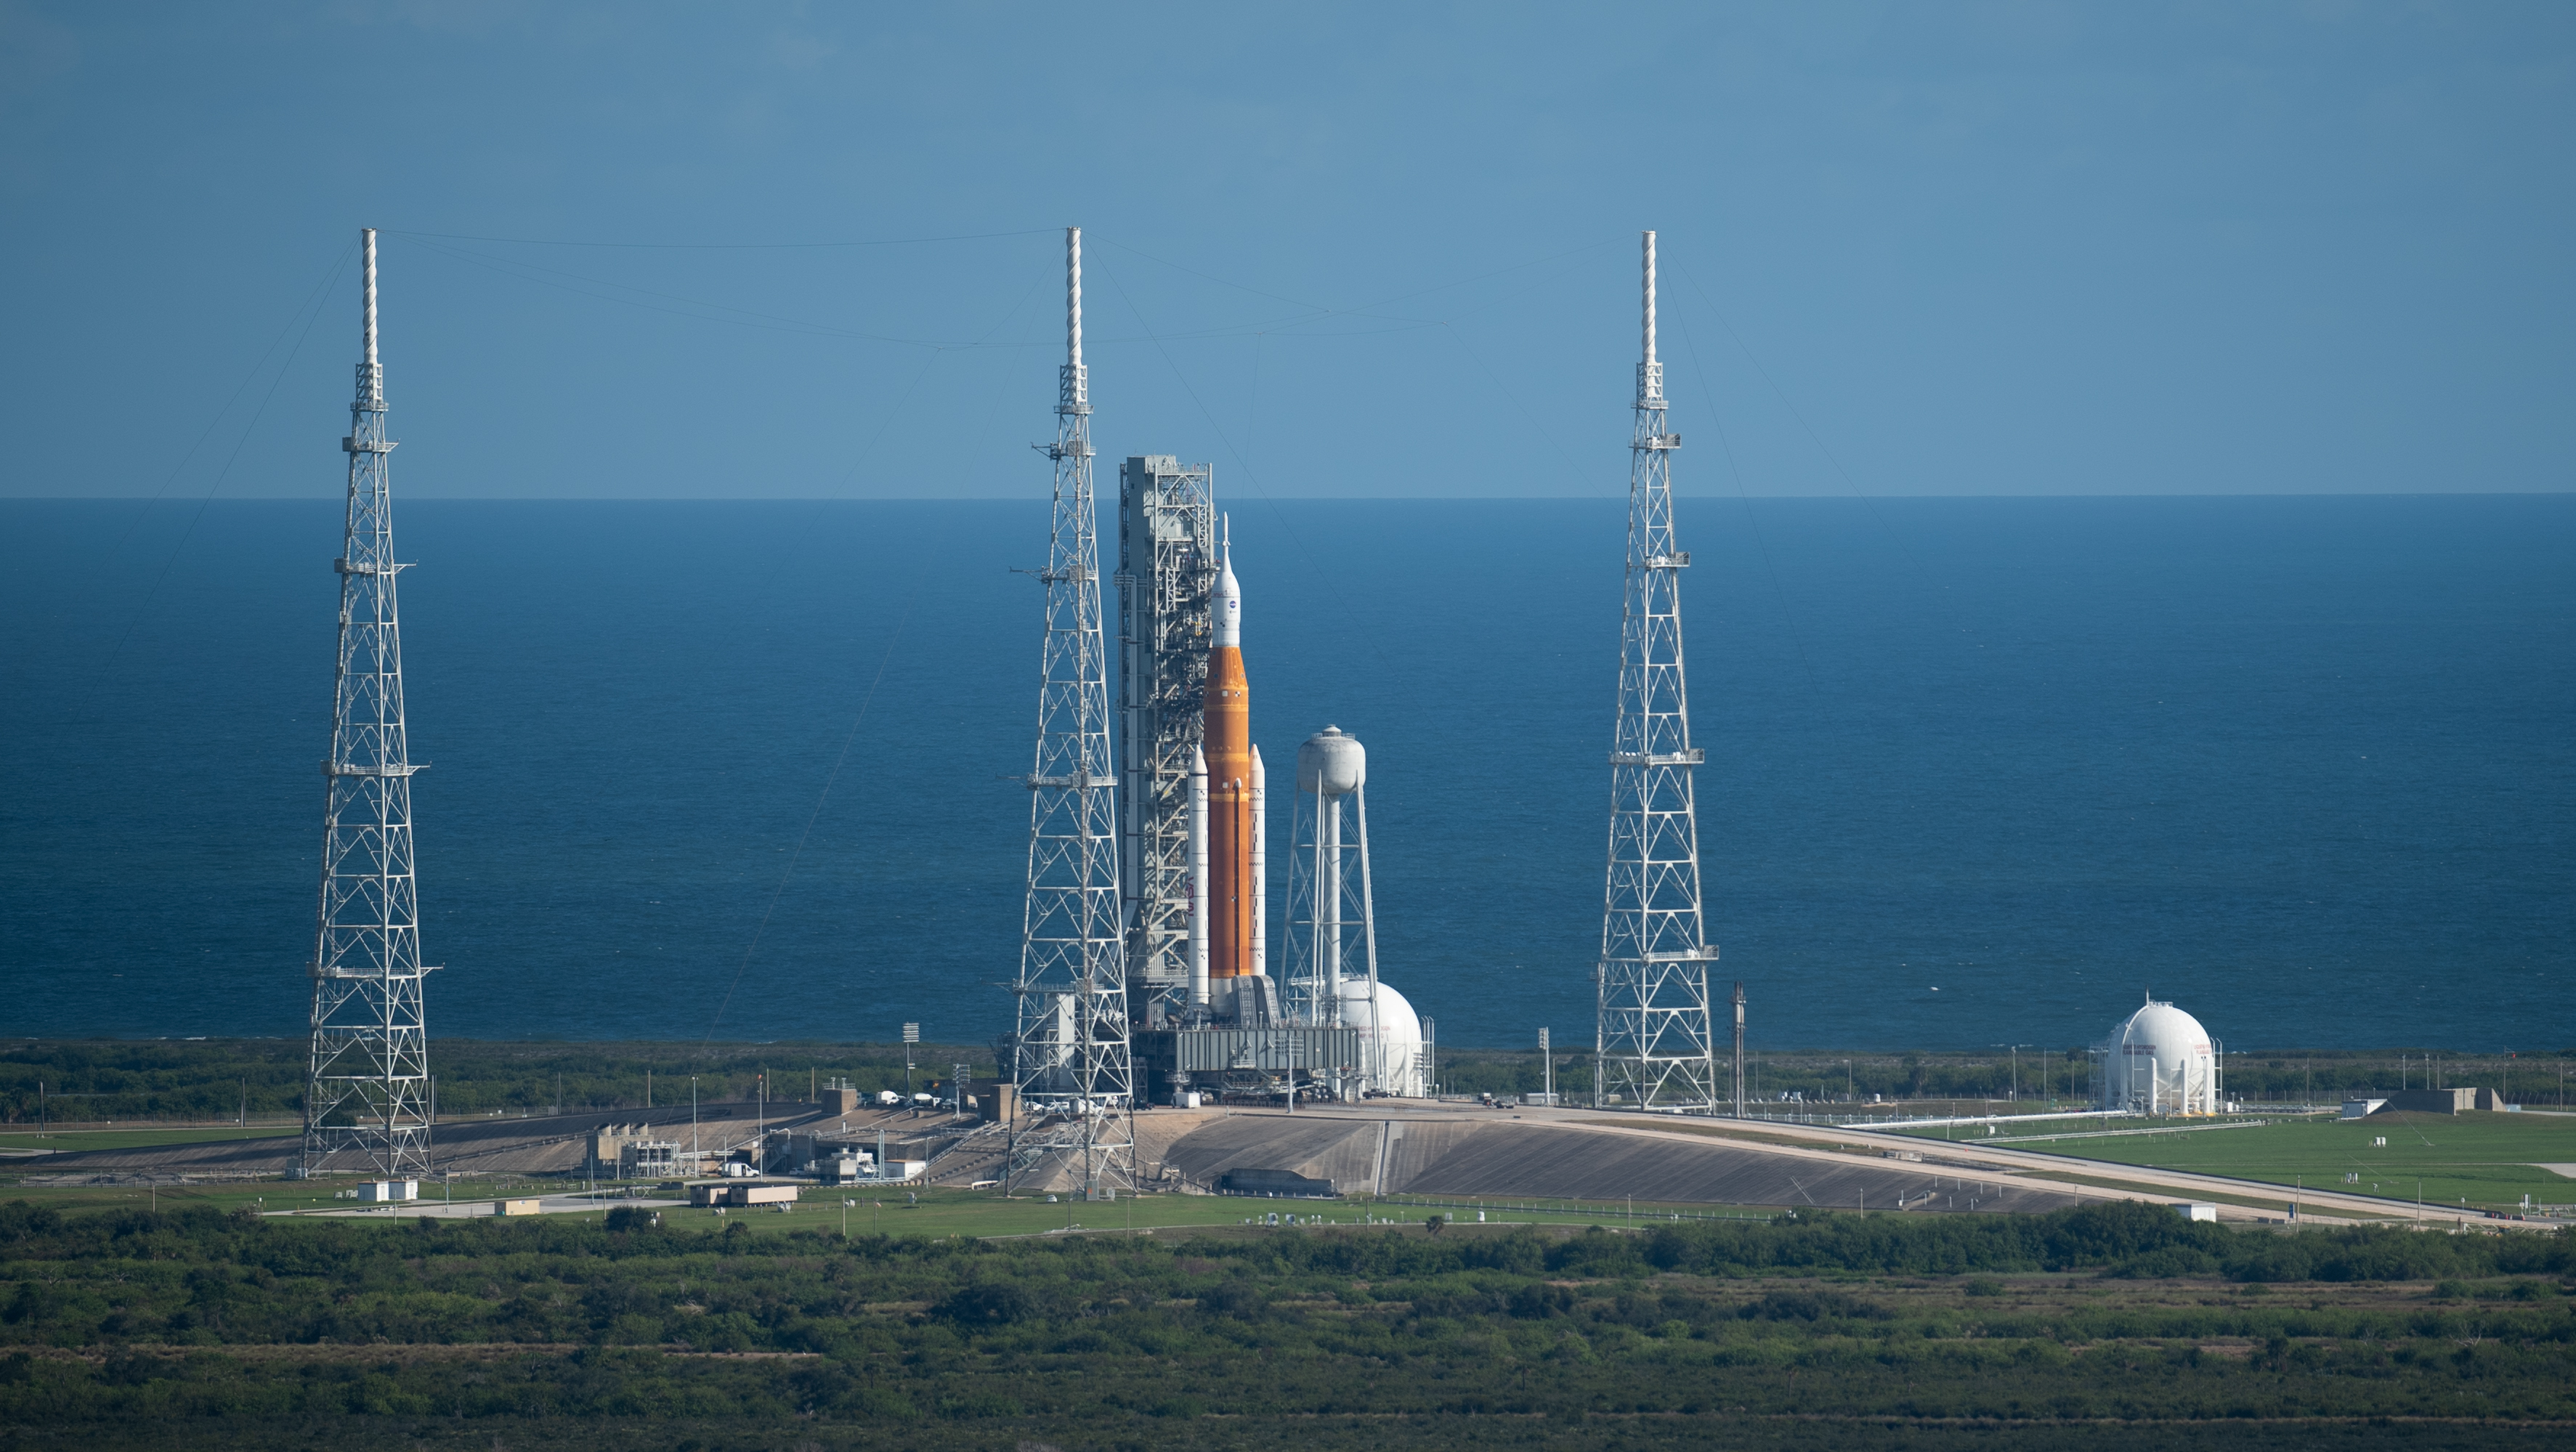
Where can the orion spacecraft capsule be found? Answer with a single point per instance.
(1227, 941)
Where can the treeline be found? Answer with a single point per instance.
(214, 1079)
(212, 1277)
(2067, 1074)
(94, 1079)
(131, 1325)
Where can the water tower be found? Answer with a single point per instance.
(1331, 929)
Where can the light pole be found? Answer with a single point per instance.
(911, 1036)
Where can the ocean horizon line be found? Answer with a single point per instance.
(434, 498)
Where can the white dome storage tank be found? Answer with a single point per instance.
(2160, 1061)
(1390, 1038)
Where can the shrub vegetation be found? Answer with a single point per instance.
(208, 1328)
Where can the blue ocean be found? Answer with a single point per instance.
(1980, 771)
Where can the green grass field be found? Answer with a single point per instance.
(2486, 1161)
(141, 1137)
(984, 1213)
(935, 1213)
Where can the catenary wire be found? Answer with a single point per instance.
(815, 816)
(1726, 445)
(722, 246)
(143, 603)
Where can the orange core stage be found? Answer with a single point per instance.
(1230, 832)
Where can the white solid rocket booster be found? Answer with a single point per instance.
(1260, 872)
(1198, 878)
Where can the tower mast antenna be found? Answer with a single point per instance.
(1654, 1042)
(1070, 1058)
(366, 1099)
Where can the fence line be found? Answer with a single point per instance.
(1607, 1211)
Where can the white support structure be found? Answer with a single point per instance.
(366, 1097)
(1070, 1059)
(1654, 1041)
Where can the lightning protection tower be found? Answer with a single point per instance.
(1331, 935)
(1653, 1038)
(1166, 572)
(1070, 1056)
(366, 1094)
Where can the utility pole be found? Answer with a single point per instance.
(1739, 1048)
(367, 1071)
(1652, 1034)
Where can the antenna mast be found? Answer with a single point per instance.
(1070, 1058)
(1653, 1039)
(366, 1098)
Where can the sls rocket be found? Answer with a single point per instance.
(1227, 941)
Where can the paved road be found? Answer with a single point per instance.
(1764, 1153)
(2164, 1186)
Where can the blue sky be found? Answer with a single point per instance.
(1376, 250)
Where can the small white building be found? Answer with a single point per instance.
(2161, 1061)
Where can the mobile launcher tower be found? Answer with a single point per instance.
(1167, 567)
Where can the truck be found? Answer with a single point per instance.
(706, 1195)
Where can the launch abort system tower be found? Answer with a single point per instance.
(1166, 569)
(366, 1093)
(1069, 1057)
(1654, 1041)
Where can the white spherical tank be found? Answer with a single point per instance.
(1332, 763)
(2160, 1061)
(1390, 1038)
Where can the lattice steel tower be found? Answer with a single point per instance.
(1071, 1062)
(1166, 571)
(366, 1097)
(1653, 1039)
